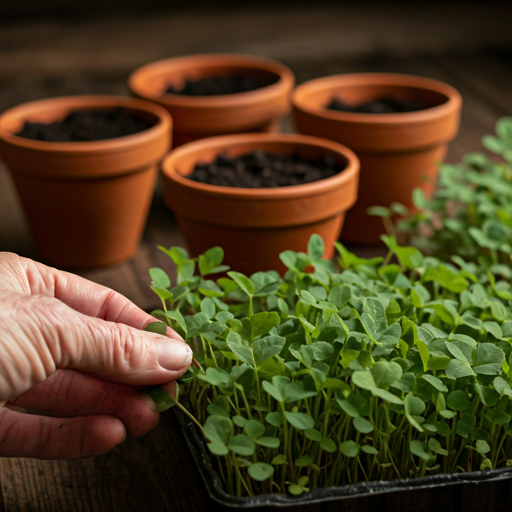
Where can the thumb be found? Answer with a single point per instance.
(124, 354)
(42, 334)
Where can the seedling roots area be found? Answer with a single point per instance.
(260, 169)
(221, 84)
(86, 125)
(383, 105)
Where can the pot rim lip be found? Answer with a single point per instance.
(286, 80)
(348, 174)
(453, 103)
(84, 102)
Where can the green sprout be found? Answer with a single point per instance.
(470, 215)
(391, 368)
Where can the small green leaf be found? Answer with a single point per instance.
(363, 425)
(482, 447)
(218, 429)
(242, 353)
(218, 448)
(437, 383)
(315, 247)
(418, 450)
(214, 409)
(498, 417)
(436, 447)
(299, 420)
(349, 448)
(458, 401)
(414, 407)
(244, 282)
(240, 421)
(262, 323)
(457, 369)
(313, 434)
(378, 211)
(328, 445)
(370, 450)
(304, 461)
(157, 327)
(385, 373)
(268, 442)
(210, 260)
(275, 418)
(254, 429)
(163, 401)
(295, 490)
(242, 445)
(260, 471)
(208, 307)
(363, 380)
(502, 387)
(278, 460)
(466, 424)
(159, 278)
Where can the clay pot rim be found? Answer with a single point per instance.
(453, 102)
(79, 102)
(294, 191)
(285, 82)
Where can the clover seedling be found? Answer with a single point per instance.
(392, 368)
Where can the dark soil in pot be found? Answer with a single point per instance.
(381, 105)
(221, 84)
(86, 125)
(260, 169)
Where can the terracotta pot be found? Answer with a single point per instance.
(196, 117)
(398, 152)
(254, 226)
(86, 202)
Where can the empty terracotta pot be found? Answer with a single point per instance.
(398, 152)
(254, 226)
(86, 202)
(195, 117)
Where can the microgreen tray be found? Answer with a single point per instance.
(213, 483)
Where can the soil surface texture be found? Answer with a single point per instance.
(221, 84)
(260, 169)
(383, 105)
(86, 125)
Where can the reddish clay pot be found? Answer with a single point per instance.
(254, 226)
(86, 202)
(196, 117)
(398, 152)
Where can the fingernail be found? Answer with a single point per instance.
(173, 354)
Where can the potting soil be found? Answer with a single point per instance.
(382, 105)
(260, 169)
(86, 125)
(221, 84)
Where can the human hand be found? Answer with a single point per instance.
(56, 329)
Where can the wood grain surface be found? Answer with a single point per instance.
(469, 47)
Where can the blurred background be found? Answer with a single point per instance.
(57, 47)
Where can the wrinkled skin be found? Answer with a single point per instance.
(73, 354)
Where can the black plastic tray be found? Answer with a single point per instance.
(213, 482)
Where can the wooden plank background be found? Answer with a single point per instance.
(469, 46)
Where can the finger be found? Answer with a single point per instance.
(127, 355)
(89, 298)
(68, 394)
(50, 335)
(27, 435)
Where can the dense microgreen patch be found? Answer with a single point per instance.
(471, 212)
(390, 368)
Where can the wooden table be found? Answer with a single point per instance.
(44, 58)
